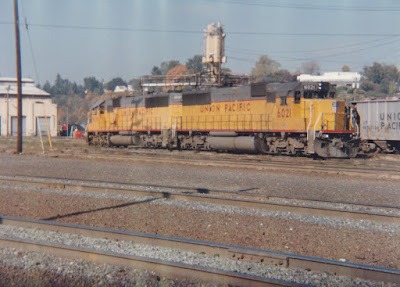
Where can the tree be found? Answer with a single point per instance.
(65, 87)
(367, 85)
(265, 69)
(115, 82)
(346, 68)
(61, 86)
(156, 71)
(47, 87)
(311, 67)
(391, 88)
(164, 67)
(377, 73)
(380, 77)
(195, 64)
(135, 83)
(93, 85)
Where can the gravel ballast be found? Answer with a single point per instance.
(356, 241)
(166, 254)
(323, 237)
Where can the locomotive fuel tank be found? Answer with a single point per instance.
(247, 144)
(125, 140)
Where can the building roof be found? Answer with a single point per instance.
(119, 89)
(9, 86)
(350, 77)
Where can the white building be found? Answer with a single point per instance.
(339, 78)
(39, 114)
(122, 89)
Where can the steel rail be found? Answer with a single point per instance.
(238, 199)
(306, 162)
(164, 268)
(249, 163)
(266, 164)
(244, 193)
(284, 260)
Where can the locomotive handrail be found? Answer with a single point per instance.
(315, 126)
(239, 121)
(309, 123)
(352, 121)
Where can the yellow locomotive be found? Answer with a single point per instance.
(276, 118)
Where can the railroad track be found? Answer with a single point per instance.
(383, 213)
(182, 270)
(351, 167)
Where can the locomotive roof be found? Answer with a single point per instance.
(97, 103)
(278, 87)
(234, 93)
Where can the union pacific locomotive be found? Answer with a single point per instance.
(270, 118)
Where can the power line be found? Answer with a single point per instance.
(122, 29)
(328, 58)
(335, 48)
(314, 34)
(322, 53)
(313, 7)
(244, 33)
(30, 44)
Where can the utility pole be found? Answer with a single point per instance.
(19, 88)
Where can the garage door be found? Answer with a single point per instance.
(41, 126)
(14, 126)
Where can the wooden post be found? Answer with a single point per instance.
(48, 132)
(40, 132)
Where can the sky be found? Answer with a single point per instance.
(126, 38)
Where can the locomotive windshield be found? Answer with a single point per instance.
(321, 90)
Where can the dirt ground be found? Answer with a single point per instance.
(278, 234)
